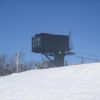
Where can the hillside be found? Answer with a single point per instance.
(77, 82)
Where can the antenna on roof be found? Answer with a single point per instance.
(70, 40)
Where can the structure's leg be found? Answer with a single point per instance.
(52, 63)
(59, 60)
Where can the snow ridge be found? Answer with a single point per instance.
(76, 82)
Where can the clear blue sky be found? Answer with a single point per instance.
(20, 20)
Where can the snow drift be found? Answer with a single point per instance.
(77, 82)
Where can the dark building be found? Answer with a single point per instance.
(56, 45)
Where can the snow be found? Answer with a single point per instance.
(76, 82)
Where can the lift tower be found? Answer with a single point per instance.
(51, 45)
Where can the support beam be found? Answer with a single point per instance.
(59, 60)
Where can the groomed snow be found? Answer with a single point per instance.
(77, 82)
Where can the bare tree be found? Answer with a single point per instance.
(3, 61)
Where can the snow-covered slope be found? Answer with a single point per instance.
(78, 82)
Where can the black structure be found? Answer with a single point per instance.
(51, 45)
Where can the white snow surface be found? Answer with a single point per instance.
(76, 82)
